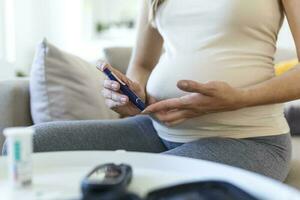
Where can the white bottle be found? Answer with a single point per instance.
(19, 147)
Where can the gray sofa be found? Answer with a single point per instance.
(15, 106)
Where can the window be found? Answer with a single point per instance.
(112, 18)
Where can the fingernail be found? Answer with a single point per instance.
(115, 86)
(146, 112)
(184, 84)
(124, 99)
(101, 64)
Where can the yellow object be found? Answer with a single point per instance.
(283, 67)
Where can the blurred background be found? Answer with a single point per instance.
(81, 27)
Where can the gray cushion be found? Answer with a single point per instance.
(292, 114)
(14, 105)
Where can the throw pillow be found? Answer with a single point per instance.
(283, 67)
(65, 87)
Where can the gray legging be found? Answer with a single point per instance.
(265, 155)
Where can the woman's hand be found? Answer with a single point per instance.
(117, 101)
(205, 98)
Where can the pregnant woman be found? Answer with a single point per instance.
(212, 93)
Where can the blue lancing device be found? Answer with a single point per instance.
(125, 90)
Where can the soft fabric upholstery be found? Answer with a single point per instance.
(293, 178)
(118, 57)
(292, 114)
(65, 87)
(14, 105)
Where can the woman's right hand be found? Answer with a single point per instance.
(114, 98)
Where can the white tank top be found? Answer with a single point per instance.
(224, 40)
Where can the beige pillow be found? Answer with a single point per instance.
(65, 87)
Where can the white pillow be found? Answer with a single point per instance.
(65, 87)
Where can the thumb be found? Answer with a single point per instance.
(151, 100)
(102, 65)
(196, 87)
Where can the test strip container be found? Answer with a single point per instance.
(19, 148)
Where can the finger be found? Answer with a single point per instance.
(115, 96)
(173, 116)
(151, 100)
(165, 105)
(193, 86)
(113, 104)
(119, 75)
(102, 65)
(112, 85)
(174, 123)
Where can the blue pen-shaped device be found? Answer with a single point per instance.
(124, 88)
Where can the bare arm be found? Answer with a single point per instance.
(286, 87)
(147, 50)
(145, 56)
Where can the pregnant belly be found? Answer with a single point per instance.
(246, 122)
(162, 83)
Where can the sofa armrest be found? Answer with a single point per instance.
(292, 114)
(14, 105)
(118, 57)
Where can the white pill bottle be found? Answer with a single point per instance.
(19, 148)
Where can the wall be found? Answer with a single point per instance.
(57, 20)
(113, 10)
(285, 39)
(1, 32)
(6, 69)
(110, 11)
(69, 25)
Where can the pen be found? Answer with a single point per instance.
(137, 101)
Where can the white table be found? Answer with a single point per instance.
(58, 175)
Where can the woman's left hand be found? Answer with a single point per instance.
(204, 98)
